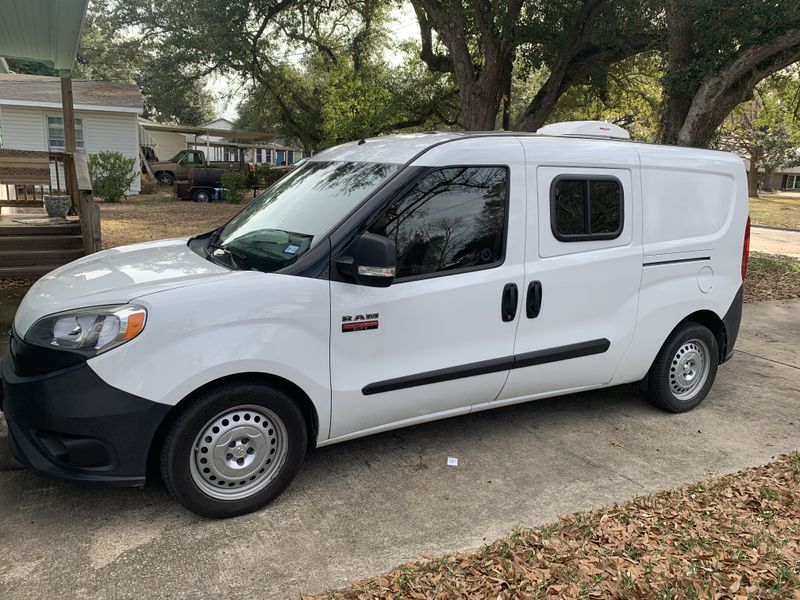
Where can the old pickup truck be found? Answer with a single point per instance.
(178, 167)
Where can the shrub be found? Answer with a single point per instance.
(112, 175)
(236, 184)
(266, 175)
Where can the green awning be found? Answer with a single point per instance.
(47, 31)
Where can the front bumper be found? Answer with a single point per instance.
(70, 424)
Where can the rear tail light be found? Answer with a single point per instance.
(746, 248)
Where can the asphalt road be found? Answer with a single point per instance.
(361, 507)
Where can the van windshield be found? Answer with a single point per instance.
(295, 214)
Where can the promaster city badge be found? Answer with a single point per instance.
(359, 322)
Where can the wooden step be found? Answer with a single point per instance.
(20, 258)
(33, 271)
(43, 229)
(40, 242)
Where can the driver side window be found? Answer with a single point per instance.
(454, 219)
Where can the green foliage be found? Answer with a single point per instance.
(112, 174)
(355, 104)
(266, 175)
(236, 184)
(173, 85)
(629, 95)
(766, 130)
(722, 29)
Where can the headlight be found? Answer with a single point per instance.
(90, 330)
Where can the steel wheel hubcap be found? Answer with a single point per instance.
(689, 369)
(238, 452)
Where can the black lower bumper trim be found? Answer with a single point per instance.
(72, 425)
(732, 320)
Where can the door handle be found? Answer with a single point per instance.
(508, 306)
(533, 303)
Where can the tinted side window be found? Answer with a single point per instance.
(585, 209)
(453, 218)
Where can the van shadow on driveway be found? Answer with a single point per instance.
(360, 507)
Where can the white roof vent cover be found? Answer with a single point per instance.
(598, 129)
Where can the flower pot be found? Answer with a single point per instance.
(57, 206)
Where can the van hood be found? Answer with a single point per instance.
(116, 276)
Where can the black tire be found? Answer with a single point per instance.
(179, 459)
(201, 196)
(678, 380)
(165, 178)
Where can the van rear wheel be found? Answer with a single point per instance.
(684, 370)
(234, 449)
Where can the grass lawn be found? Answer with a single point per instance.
(734, 537)
(778, 209)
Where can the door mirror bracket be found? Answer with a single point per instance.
(372, 261)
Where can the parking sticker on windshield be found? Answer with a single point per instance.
(291, 249)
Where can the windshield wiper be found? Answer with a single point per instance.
(234, 256)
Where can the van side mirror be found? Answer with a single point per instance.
(372, 262)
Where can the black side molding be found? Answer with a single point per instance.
(540, 357)
(675, 262)
(529, 359)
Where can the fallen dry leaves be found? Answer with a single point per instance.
(734, 537)
(771, 277)
(159, 216)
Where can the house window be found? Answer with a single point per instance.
(290, 159)
(259, 155)
(453, 220)
(55, 134)
(586, 208)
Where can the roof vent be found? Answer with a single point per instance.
(594, 129)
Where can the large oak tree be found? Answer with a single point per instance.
(717, 51)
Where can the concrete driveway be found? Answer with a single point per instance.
(361, 507)
(775, 241)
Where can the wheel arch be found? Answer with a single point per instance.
(160, 171)
(705, 317)
(303, 400)
(714, 323)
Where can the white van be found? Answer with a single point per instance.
(386, 282)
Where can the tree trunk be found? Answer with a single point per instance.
(768, 173)
(480, 101)
(541, 106)
(677, 98)
(752, 180)
(563, 73)
(481, 83)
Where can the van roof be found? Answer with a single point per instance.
(401, 148)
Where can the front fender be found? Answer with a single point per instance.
(264, 323)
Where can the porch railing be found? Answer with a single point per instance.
(27, 176)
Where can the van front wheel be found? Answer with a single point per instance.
(234, 449)
(684, 370)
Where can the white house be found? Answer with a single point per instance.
(277, 152)
(105, 116)
(164, 143)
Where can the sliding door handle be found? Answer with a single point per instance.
(508, 305)
(533, 302)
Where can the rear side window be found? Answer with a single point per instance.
(585, 208)
(453, 219)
